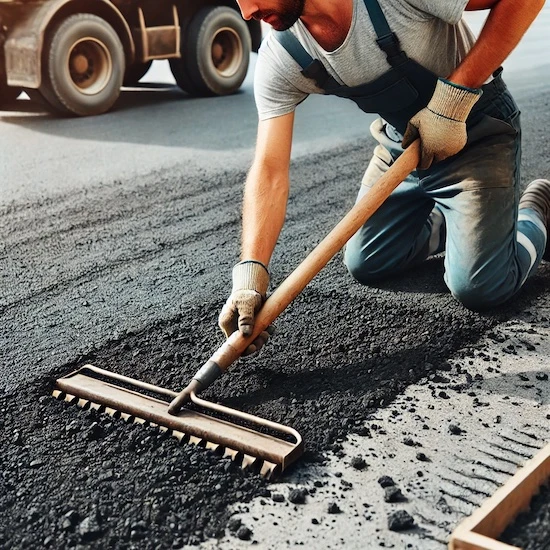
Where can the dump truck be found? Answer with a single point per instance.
(76, 54)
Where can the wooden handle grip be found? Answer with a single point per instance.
(236, 344)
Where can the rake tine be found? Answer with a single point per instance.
(267, 470)
(230, 453)
(248, 461)
(57, 394)
(180, 436)
(212, 446)
(70, 398)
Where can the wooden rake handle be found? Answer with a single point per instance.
(277, 302)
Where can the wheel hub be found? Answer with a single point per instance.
(227, 52)
(90, 66)
(79, 64)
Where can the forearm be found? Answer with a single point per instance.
(506, 24)
(264, 210)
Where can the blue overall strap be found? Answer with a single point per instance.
(387, 40)
(294, 47)
(311, 68)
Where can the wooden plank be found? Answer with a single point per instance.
(468, 540)
(485, 525)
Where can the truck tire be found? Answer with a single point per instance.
(134, 73)
(84, 66)
(180, 71)
(216, 53)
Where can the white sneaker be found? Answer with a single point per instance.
(537, 197)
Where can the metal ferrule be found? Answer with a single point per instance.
(209, 372)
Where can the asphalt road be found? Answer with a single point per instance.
(158, 127)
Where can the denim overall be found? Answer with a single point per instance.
(465, 205)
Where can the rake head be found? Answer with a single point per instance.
(231, 436)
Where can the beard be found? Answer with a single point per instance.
(284, 19)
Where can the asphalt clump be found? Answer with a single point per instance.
(400, 520)
(298, 495)
(358, 462)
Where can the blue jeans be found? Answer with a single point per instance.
(466, 205)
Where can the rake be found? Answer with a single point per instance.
(253, 442)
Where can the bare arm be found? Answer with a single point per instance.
(505, 26)
(266, 189)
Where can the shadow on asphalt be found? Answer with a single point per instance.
(152, 114)
(417, 279)
(427, 278)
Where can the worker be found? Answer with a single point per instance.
(417, 65)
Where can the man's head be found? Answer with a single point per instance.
(280, 14)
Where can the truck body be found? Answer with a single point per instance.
(78, 53)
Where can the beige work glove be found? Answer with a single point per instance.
(441, 126)
(250, 282)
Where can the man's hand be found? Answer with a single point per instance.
(441, 126)
(250, 282)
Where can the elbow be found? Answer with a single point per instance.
(272, 184)
(268, 174)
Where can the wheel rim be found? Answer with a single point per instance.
(227, 52)
(90, 66)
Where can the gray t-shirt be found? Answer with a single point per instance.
(431, 32)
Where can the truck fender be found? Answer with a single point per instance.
(23, 47)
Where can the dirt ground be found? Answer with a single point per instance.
(136, 277)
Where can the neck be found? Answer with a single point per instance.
(328, 21)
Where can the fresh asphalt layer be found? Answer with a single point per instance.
(396, 380)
